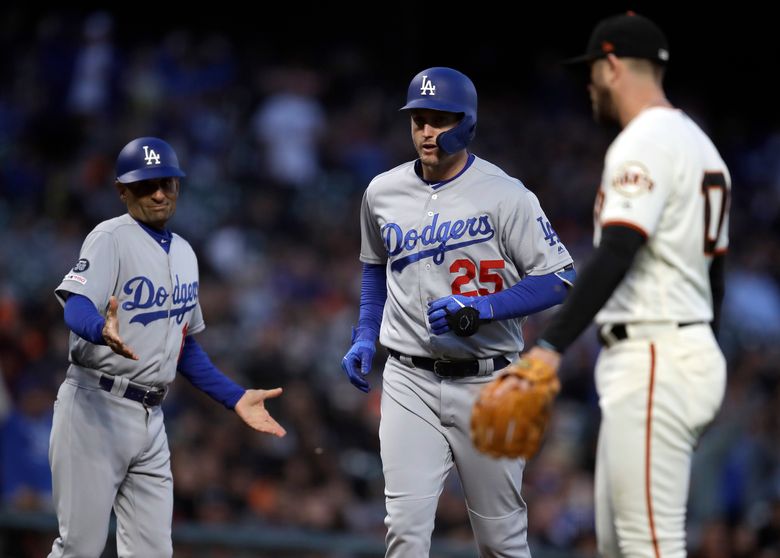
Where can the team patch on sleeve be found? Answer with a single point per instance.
(76, 278)
(81, 265)
(632, 179)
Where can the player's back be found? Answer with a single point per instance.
(664, 177)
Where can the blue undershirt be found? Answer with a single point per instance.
(533, 294)
(84, 320)
(162, 237)
(373, 294)
(195, 365)
(439, 183)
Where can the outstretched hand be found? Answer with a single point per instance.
(111, 332)
(251, 409)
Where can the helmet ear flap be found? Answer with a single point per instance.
(459, 137)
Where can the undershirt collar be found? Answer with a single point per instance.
(437, 184)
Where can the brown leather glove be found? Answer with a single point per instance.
(512, 412)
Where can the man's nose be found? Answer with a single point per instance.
(158, 193)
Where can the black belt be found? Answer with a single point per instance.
(618, 332)
(149, 397)
(449, 368)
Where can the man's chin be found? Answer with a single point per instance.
(429, 159)
(158, 216)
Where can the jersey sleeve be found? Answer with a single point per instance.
(95, 274)
(197, 324)
(636, 184)
(372, 249)
(531, 240)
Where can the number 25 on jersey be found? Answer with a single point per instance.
(469, 269)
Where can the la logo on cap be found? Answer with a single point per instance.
(151, 156)
(427, 87)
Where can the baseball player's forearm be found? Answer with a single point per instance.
(83, 319)
(195, 365)
(595, 284)
(533, 294)
(718, 286)
(373, 294)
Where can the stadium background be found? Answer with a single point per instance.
(280, 122)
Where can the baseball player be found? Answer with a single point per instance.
(131, 303)
(654, 285)
(455, 252)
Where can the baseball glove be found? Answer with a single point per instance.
(511, 413)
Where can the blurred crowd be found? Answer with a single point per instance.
(277, 154)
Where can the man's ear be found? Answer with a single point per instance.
(122, 189)
(615, 67)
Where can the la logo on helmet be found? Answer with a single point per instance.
(150, 156)
(427, 87)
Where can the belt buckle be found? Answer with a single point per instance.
(436, 364)
(146, 403)
(153, 393)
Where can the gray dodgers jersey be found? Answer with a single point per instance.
(157, 294)
(477, 234)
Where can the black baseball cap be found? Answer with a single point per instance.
(626, 35)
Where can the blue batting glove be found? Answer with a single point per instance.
(357, 362)
(439, 309)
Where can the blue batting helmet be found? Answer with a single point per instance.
(447, 90)
(146, 158)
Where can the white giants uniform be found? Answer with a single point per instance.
(477, 234)
(661, 376)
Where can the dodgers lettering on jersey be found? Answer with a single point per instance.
(472, 230)
(478, 234)
(157, 294)
(143, 294)
(664, 177)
